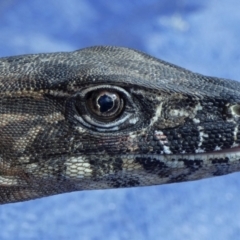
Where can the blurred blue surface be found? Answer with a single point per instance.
(200, 35)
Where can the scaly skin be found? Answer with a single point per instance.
(110, 117)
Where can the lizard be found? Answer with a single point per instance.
(111, 117)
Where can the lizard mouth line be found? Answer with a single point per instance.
(226, 155)
(232, 153)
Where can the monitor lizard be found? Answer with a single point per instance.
(111, 117)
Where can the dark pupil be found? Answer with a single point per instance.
(105, 102)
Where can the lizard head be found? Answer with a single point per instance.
(108, 117)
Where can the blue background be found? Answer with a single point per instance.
(202, 36)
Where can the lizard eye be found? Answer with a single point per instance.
(105, 108)
(105, 105)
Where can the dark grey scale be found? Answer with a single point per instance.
(89, 145)
(174, 140)
(24, 105)
(222, 166)
(58, 168)
(60, 77)
(192, 164)
(219, 134)
(238, 137)
(117, 164)
(56, 186)
(159, 149)
(10, 154)
(179, 178)
(19, 129)
(125, 181)
(7, 194)
(43, 144)
(212, 110)
(15, 130)
(213, 106)
(155, 143)
(183, 139)
(101, 167)
(49, 160)
(148, 106)
(143, 145)
(152, 165)
(219, 160)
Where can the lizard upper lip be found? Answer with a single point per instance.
(223, 151)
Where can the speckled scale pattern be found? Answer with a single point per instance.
(175, 126)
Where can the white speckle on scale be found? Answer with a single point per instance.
(157, 114)
(196, 120)
(166, 149)
(179, 113)
(217, 148)
(133, 120)
(235, 132)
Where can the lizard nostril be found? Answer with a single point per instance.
(235, 109)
